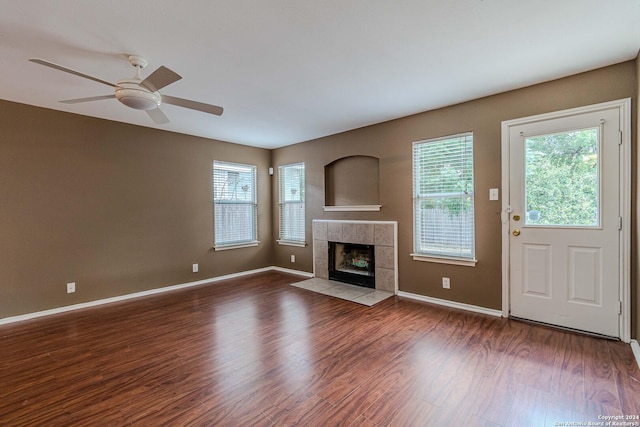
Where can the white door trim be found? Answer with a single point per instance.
(624, 107)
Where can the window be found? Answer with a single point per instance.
(562, 179)
(443, 202)
(234, 205)
(291, 180)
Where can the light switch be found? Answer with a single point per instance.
(493, 194)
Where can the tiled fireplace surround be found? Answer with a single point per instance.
(382, 234)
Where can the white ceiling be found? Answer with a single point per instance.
(288, 71)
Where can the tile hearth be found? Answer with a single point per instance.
(357, 294)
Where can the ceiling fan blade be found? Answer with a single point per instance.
(194, 105)
(69, 70)
(160, 78)
(158, 116)
(91, 98)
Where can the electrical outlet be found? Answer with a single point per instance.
(194, 268)
(446, 283)
(293, 258)
(71, 287)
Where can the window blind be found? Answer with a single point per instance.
(235, 204)
(443, 197)
(292, 204)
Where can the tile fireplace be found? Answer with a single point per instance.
(357, 240)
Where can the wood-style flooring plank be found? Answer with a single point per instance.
(627, 378)
(254, 351)
(601, 390)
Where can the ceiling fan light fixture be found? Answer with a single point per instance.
(138, 99)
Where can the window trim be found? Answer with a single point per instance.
(444, 260)
(253, 203)
(470, 261)
(235, 245)
(281, 203)
(292, 243)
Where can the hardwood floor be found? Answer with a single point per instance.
(256, 351)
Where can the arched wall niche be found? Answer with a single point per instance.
(352, 181)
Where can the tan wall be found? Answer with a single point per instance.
(120, 209)
(114, 207)
(392, 141)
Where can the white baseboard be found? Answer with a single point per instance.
(452, 304)
(73, 307)
(635, 347)
(288, 270)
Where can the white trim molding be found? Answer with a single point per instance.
(291, 243)
(236, 246)
(353, 208)
(355, 221)
(290, 271)
(451, 304)
(58, 310)
(444, 260)
(624, 108)
(635, 347)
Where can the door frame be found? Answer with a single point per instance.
(624, 108)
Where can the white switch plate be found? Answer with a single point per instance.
(293, 258)
(446, 283)
(494, 194)
(71, 287)
(195, 268)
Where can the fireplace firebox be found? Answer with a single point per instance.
(352, 263)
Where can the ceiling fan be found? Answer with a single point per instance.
(138, 93)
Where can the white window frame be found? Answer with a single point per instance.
(292, 230)
(231, 193)
(441, 251)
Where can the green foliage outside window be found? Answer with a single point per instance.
(443, 197)
(561, 178)
(446, 174)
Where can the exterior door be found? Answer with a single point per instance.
(565, 220)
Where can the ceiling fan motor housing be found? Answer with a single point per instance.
(131, 94)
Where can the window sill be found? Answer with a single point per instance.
(444, 260)
(292, 243)
(353, 208)
(236, 246)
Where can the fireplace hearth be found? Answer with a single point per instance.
(352, 263)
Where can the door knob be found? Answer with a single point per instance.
(516, 217)
(516, 232)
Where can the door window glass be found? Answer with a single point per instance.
(562, 179)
